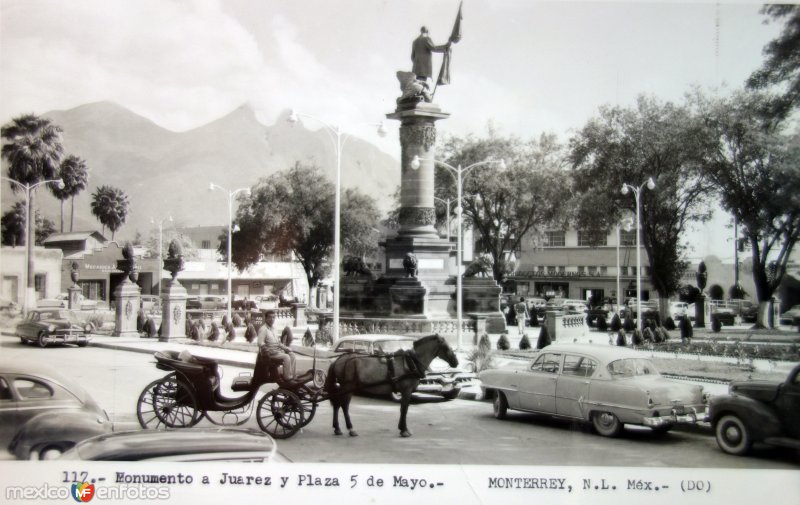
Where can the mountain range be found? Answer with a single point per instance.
(167, 173)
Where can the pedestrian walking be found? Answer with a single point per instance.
(522, 315)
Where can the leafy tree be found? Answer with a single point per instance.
(651, 139)
(110, 207)
(754, 164)
(188, 247)
(293, 211)
(75, 174)
(13, 226)
(782, 64)
(33, 150)
(501, 205)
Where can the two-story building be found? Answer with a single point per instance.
(580, 265)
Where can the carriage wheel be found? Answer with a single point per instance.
(168, 402)
(234, 417)
(280, 413)
(308, 400)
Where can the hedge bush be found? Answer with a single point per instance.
(502, 343)
(616, 323)
(716, 325)
(637, 338)
(544, 338)
(629, 325)
(534, 319)
(621, 340)
(669, 323)
(524, 343)
(602, 324)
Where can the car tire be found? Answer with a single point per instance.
(23, 340)
(46, 453)
(733, 436)
(43, 340)
(83, 343)
(500, 405)
(606, 424)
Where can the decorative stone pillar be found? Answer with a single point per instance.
(299, 311)
(173, 298)
(74, 291)
(128, 296)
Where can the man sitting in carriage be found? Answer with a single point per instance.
(271, 344)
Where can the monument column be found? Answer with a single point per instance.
(417, 139)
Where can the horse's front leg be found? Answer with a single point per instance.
(404, 402)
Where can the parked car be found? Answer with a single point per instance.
(207, 302)
(748, 311)
(791, 316)
(439, 379)
(43, 413)
(606, 386)
(725, 314)
(678, 310)
(61, 301)
(536, 305)
(264, 302)
(53, 326)
(243, 303)
(151, 303)
(181, 445)
(757, 411)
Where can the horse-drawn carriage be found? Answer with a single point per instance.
(191, 389)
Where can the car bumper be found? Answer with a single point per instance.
(690, 415)
(443, 385)
(68, 337)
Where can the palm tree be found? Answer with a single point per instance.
(75, 174)
(110, 207)
(33, 150)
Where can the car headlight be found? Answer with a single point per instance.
(87, 328)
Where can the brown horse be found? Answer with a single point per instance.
(383, 374)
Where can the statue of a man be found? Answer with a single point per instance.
(422, 55)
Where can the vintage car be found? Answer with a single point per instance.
(207, 444)
(61, 301)
(607, 386)
(43, 413)
(757, 411)
(53, 326)
(439, 379)
(724, 313)
(791, 316)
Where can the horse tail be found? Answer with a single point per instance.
(330, 380)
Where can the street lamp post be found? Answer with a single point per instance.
(459, 174)
(231, 194)
(649, 184)
(339, 138)
(28, 247)
(160, 250)
(447, 203)
(626, 225)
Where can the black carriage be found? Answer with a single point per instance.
(191, 390)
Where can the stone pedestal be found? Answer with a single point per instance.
(700, 311)
(173, 312)
(408, 298)
(128, 296)
(482, 296)
(74, 297)
(299, 310)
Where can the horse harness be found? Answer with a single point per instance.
(410, 361)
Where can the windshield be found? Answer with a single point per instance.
(391, 346)
(631, 367)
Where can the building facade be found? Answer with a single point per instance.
(580, 265)
(46, 275)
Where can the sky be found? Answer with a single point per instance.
(525, 67)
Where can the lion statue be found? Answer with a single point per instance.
(355, 266)
(410, 265)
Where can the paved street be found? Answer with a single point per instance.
(452, 432)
